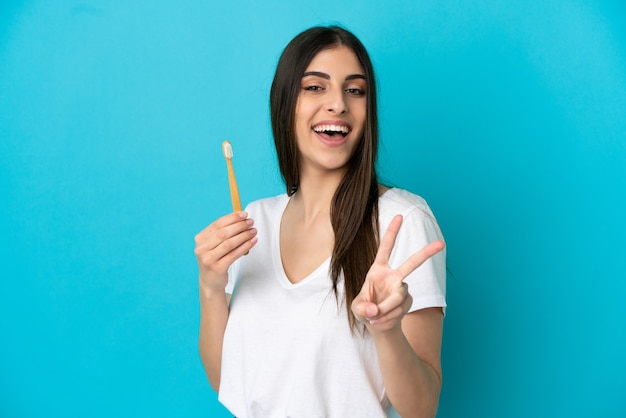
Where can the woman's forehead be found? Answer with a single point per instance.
(340, 59)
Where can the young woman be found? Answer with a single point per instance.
(328, 317)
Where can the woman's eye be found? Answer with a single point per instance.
(313, 88)
(356, 91)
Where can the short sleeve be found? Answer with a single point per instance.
(233, 273)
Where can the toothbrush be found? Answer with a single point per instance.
(227, 149)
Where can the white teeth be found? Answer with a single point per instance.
(333, 128)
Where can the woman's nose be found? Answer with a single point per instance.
(337, 103)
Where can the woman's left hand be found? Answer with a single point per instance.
(384, 298)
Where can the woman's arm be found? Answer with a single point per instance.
(217, 247)
(408, 345)
(213, 318)
(410, 362)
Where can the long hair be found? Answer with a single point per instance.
(354, 208)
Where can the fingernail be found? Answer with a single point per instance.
(243, 215)
(250, 222)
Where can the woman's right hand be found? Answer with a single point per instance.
(220, 244)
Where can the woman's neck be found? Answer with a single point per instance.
(314, 196)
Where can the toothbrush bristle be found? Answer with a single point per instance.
(228, 149)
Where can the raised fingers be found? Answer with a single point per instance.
(419, 257)
(388, 241)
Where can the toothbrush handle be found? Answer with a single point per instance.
(234, 190)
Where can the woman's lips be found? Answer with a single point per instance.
(332, 132)
(331, 140)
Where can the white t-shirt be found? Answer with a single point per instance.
(288, 350)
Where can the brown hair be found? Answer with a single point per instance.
(354, 208)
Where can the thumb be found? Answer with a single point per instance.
(364, 309)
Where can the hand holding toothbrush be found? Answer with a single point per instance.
(226, 239)
(220, 244)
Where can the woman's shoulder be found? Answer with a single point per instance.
(419, 225)
(400, 201)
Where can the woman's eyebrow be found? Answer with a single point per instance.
(327, 77)
(316, 74)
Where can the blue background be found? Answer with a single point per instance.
(509, 117)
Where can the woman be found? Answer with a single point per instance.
(319, 324)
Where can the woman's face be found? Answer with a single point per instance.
(331, 110)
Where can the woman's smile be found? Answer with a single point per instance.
(332, 132)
